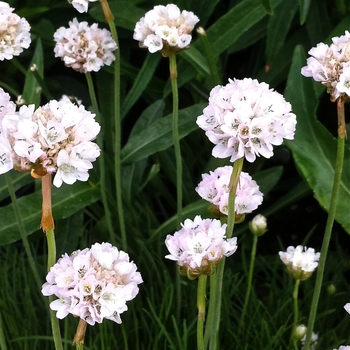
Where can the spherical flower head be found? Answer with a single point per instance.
(84, 48)
(245, 118)
(300, 261)
(55, 138)
(258, 226)
(329, 65)
(199, 246)
(14, 33)
(93, 284)
(81, 5)
(343, 347)
(214, 188)
(165, 29)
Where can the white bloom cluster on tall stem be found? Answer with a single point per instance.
(246, 119)
(214, 188)
(81, 5)
(165, 29)
(93, 284)
(344, 347)
(300, 261)
(199, 246)
(55, 138)
(330, 65)
(84, 48)
(14, 33)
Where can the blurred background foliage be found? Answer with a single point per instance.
(263, 39)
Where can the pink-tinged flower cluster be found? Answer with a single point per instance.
(81, 5)
(14, 33)
(166, 29)
(347, 307)
(199, 246)
(55, 138)
(300, 261)
(330, 65)
(246, 119)
(214, 188)
(93, 284)
(343, 347)
(84, 48)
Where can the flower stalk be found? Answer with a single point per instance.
(202, 283)
(79, 336)
(330, 219)
(47, 223)
(292, 343)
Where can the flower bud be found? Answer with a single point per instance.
(331, 289)
(258, 226)
(299, 332)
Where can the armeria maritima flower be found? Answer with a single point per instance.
(344, 347)
(199, 246)
(330, 65)
(14, 33)
(93, 284)
(165, 29)
(84, 48)
(214, 188)
(55, 138)
(246, 119)
(300, 261)
(81, 5)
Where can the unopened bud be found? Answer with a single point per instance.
(258, 226)
(299, 332)
(331, 289)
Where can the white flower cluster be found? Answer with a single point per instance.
(245, 119)
(199, 245)
(165, 28)
(300, 261)
(81, 5)
(84, 48)
(330, 65)
(215, 189)
(313, 341)
(14, 33)
(93, 284)
(55, 138)
(344, 347)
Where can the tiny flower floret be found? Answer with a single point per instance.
(93, 284)
(165, 29)
(81, 5)
(214, 188)
(246, 119)
(300, 261)
(55, 138)
(84, 48)
(330, 65)
(14, 33)
(199, 246)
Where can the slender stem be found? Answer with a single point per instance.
(250, 279)
(22, 231)
(79, 336)
(3, 345)
(330, 220)
(202, 283)
(47, 223)
(292, 343)
(211, 316)
(51, 260)
(176, 139)
(216, 305)
(117, 123)
(101, 159)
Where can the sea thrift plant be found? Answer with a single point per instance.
(93, 284)
(246, 118)
(300, 261)
(214, 188)
(343, 347)
(55, 138)
(347, 307)
(330, 65)
(199, 246)
(165, 29)
(14, 33)
(81, 5)
(84, 48)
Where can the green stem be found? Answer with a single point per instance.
(250, 279)
(3, 345)
(216, 305)
(22, 231)
(292, 343)
(210, 324)
(117, 123)
(330, 220)
(176, 139)
(101, 159)
(51, 260)
(202, 283)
